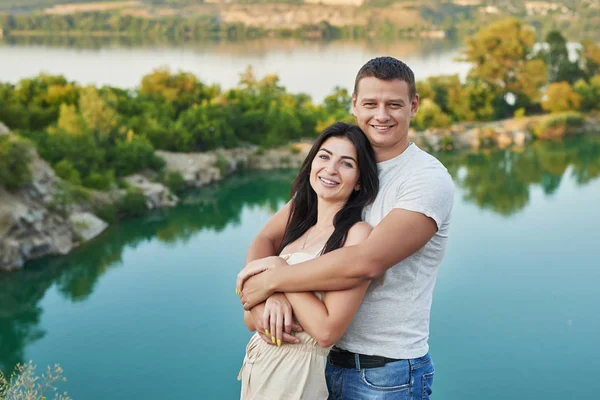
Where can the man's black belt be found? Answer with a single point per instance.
(346, 359)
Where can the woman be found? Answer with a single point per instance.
(337, 179)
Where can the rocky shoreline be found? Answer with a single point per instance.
(32, 225)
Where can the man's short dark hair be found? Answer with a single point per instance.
(387, 69)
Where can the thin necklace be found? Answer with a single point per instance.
(308, 233)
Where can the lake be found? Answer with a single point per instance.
(302, 66)
(148, 310)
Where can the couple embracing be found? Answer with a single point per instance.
(339, 282)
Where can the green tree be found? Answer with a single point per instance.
(205, 127)
(69, 120)
(82, 151)
(133, 155)
(589, 57)
(561, 97)
(480, 103)
(589, 93)
(181, 90)
(100, 119)
(34, 103)
(556, 56)
(338, 102)
(443, 90)
(503, 58)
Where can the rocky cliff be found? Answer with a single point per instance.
(199, 169)
(32, 227)
(35, 222)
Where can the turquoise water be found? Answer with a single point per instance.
(148, 310)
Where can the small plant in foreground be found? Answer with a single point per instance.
(24, 384)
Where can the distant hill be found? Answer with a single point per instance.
(577, 18)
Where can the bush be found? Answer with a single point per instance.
(133, 204)
(589, 93)
(134, 155)
(174, 181)
(430, 115)
(558, 125)
(65, 170)
(561, 97)
(68, 194)
(222, 164)
(519, 112)
(96, 180)
(107, 213)
(240, 165)
(15, 156)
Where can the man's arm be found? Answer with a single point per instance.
(396, 237)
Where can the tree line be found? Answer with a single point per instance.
(22, 17)
(187, 28)
(94, 136)
(512, 75)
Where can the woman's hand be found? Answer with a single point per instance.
(256, 267)
(278, 320)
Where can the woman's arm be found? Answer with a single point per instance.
(249, 321)
(265, 244)
(327, 321)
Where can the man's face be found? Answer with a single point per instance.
(383, 110)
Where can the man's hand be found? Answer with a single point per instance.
(256, 267)
(255, 290)
(278, 317)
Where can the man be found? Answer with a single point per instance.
(384, 352)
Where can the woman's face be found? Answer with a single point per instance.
(334, 170)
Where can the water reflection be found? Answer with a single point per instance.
(498, 180)
(263, 46)
(76, 275)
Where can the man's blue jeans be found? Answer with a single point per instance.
(398, 380)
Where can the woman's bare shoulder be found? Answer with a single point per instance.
(359, 232)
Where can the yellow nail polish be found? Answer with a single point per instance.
(278, 342)
(273, 339)
(237, 292)
(267, 332)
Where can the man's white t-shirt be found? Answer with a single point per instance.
(393, 319)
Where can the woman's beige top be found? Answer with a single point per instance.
(289, 372)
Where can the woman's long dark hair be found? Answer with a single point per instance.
(303, 212)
